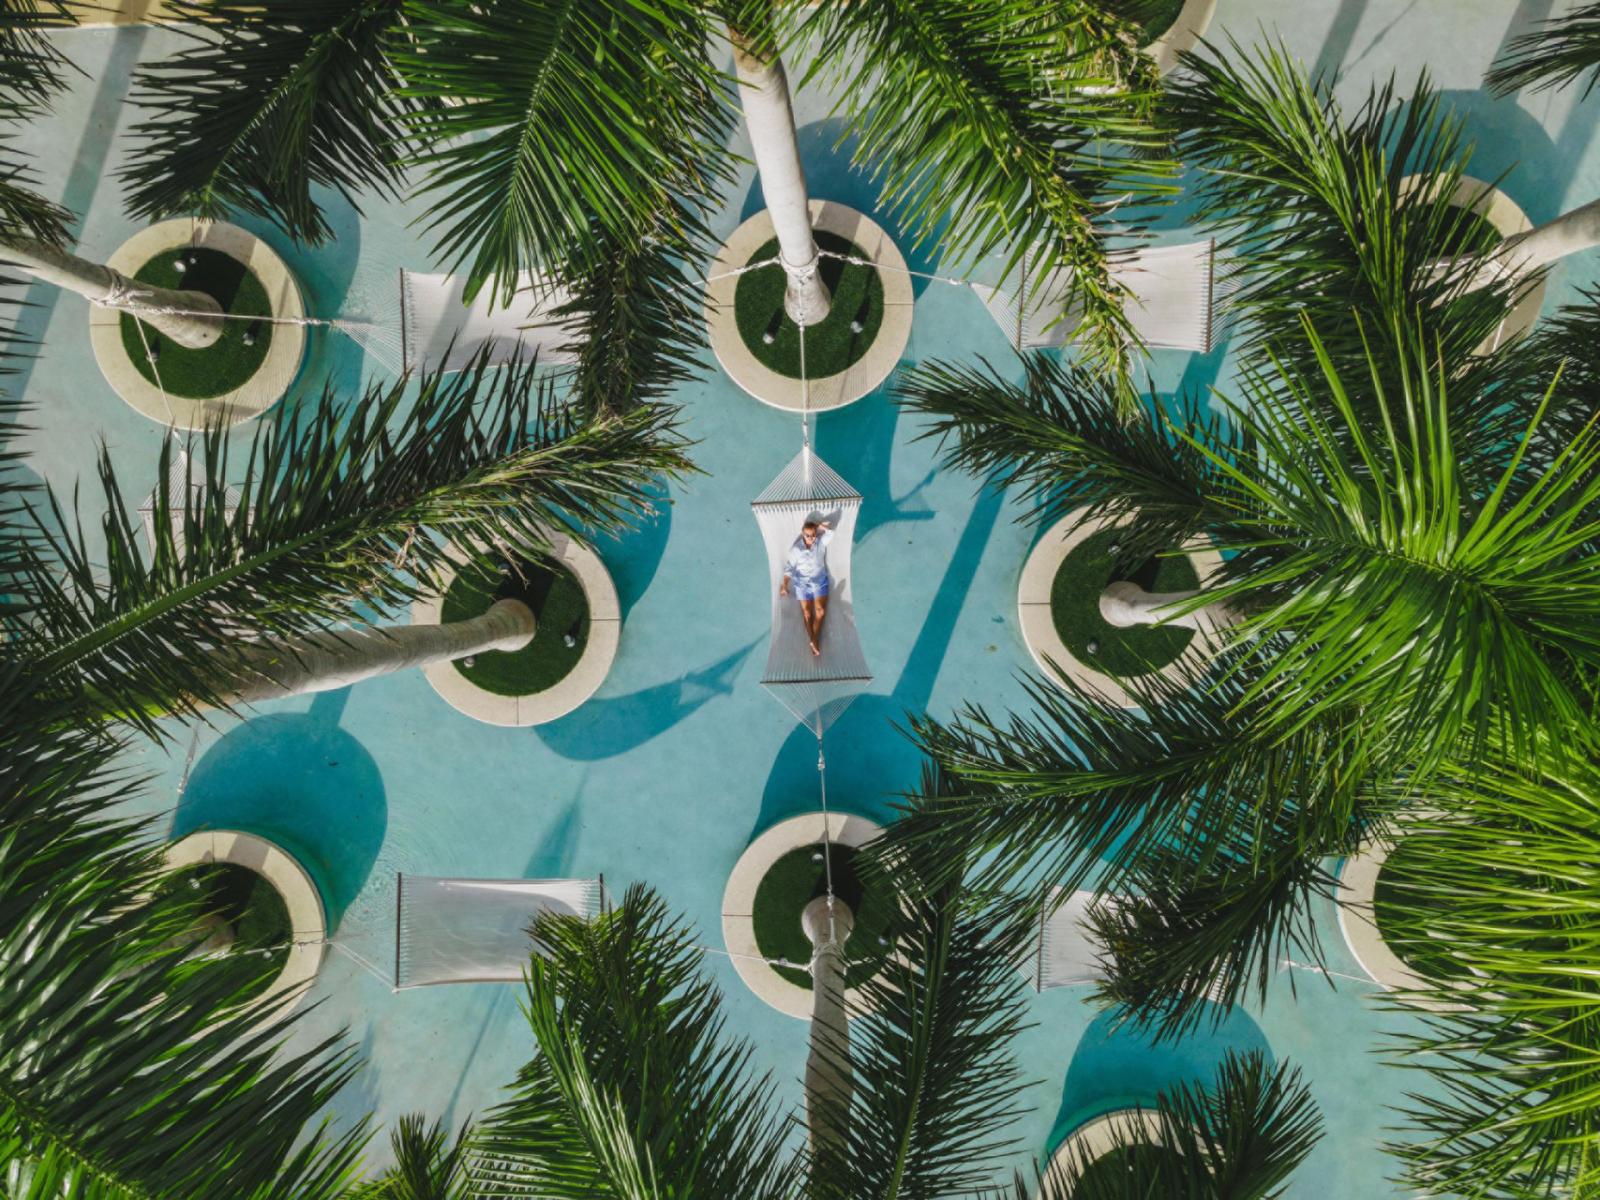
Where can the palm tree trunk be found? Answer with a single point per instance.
(1125, 604)
(322, 662)
(827, 921)
(764, 95)
(101, 285)
(1526, 252)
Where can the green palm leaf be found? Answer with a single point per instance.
(1015, 126)
(1556, 53)
(1237, 1138)
(138, 1075)
(428, 1164)
(267, 102)
(1499, 887)
(935, 1086)
(30, 74)
(636, 1091)
(548, 125)
(341, 512)
(1318, 222)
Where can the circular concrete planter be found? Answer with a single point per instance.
(738, 903)
(1095, 1139)
(1358, 884)
(586, 676)
(307, 917)
(1039, 627)
(831, 391)
(1184, 34)
(1508, 219)
(277, 371)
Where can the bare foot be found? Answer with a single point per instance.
(815, 650)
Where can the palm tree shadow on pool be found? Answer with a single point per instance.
(301, 781)
(614, 725)
(1117, 1066)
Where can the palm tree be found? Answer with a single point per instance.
(1238, 1138)
(356, 492)
(33, 230)
(141, 1073)
(551, 136)
(1502, 882)
(1366, 462)
(1555, 54)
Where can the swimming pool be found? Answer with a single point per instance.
(681, 758)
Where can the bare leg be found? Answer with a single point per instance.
(821, 604)
(808, 615)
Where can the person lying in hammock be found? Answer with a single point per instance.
(806, 569)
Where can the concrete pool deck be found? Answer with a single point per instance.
(679, 761)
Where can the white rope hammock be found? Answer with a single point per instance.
(815, 688)
(439, 330)
(1067, 953)
(477, 930)
(179, 490)
(1172, 300)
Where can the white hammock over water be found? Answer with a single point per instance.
(815, 689)
(1172, 300)
(477, 930)
(1067, 953)
(439, 330)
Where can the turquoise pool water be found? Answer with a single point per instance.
(681, 759)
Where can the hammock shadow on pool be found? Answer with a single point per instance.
(604, 728)
(303, 782)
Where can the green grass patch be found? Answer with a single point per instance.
(254, 911)
(227, 363)
(1132, 1172)
(794, 881)
(830, 346)
(1153, 17)
(559, 608)
(1075, 607)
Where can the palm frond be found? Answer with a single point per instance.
(1383, 581)
(1189, 943)
(935, 1085)
(546, 122)
(266, 103)
(1238, 1137)
(1559, 51)
(1497, 882)
(1061, 437)
(638, 330)
(31, 70)
(635, 1079)
(1319, 220)
(428, 1164)
(341, 513)
(1011, 126)
(1081, 793)
(139, 1074)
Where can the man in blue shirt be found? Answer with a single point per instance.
(806, 572)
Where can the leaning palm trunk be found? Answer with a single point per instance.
(169, 311)
(1125, 604)
(764, 95)
(322, 662)
(827, 921)
(1524, 253)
